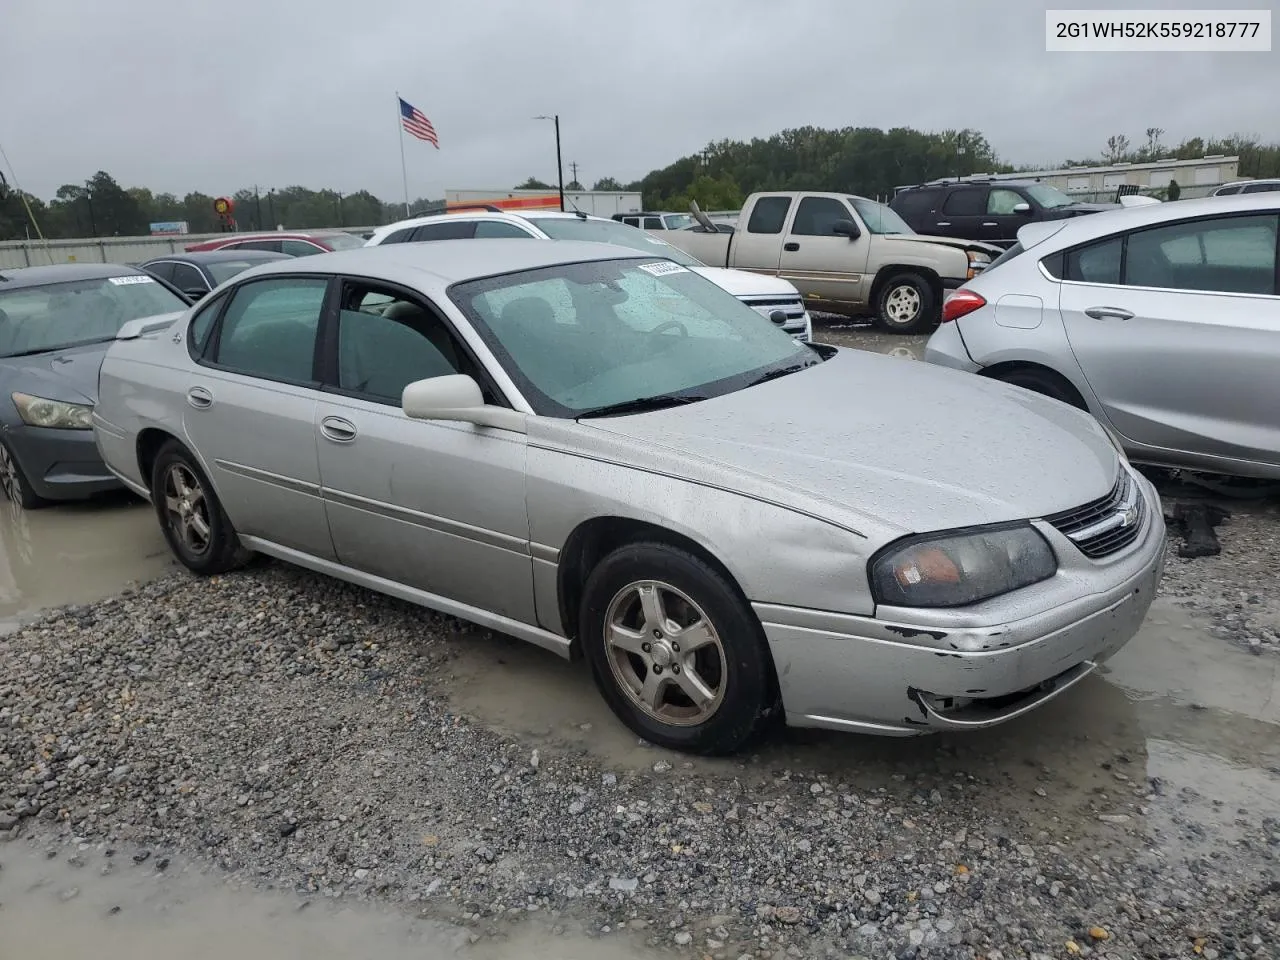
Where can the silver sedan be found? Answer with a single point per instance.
(1163, 321)
(605, 454)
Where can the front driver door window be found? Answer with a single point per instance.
(250, 411)
(819, 260)
(436, 505)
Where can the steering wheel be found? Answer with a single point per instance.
(684, 331)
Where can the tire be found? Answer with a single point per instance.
(17, 488)
(1045, 382)
(185, 504)
(732, 663)
(900, 293)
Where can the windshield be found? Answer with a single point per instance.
(575, 337)
(678, 221)
(223, 270)
(341, 241)
(878, 217)
(57, 315)
(1049, 197)
(611, 231)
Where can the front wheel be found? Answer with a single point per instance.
(14, 482)
(906, 304)
(676, 653)
(197, 528)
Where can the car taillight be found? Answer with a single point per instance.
(961, 303)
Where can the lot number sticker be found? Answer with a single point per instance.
(121, 281)
(662, 269)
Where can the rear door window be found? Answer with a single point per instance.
(449, 230)
(1222, 255)
(269, 329)
(966, 202)
(1097, 263)
(768, 215)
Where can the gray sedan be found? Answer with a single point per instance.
(1163, 321)
(55, 324)
(605, 454)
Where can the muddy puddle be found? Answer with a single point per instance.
(1180, 731)
(75, 553)
(863, 336)
(64, 909)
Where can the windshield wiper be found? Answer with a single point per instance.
(641, 404)
(59, 346)
(782, 372)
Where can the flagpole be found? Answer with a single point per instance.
(404, 171)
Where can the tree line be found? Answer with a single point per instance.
(864, 160)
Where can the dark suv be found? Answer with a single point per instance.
(989, 210)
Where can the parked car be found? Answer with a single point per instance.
(990, 210)
(1246, 186)
(1162, 321)
(598, 451)
(771, 297)
(55, 324)
(846, 255)
(294, 244)
(655, 220)
(195, 274)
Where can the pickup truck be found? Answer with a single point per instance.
(846, 254)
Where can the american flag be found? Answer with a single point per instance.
(416, 123)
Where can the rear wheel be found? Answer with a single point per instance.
(906, 304)
(676, 653)
(197, 528)
(1045, 382)
(14, 482)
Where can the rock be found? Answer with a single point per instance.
(1114, 817)
(684, 938)
(661, 766)
(624, 885)
(787, 914)
(1098, 933)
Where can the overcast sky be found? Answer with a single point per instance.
(216, 96)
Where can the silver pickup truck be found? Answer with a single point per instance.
(846, 254)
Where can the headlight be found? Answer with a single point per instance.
(977, 263)
(56, 414)
(956, 569)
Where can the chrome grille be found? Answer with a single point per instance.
(1106, 525)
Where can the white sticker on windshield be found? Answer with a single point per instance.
(120, 281)
(662, 269)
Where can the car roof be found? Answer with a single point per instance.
(449, 261)
(1080, 229)
(18, 277)
(524, 216)
(218, 256)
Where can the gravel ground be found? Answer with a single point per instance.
(295, 731)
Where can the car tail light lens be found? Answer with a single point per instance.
(961, 303)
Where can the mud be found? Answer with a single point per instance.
(100, 903)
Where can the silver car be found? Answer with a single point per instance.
(606, 454)
(1162, 321)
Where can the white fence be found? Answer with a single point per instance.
(37, 253)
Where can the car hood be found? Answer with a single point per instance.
(70, 375)
(956, 242)
(743, 283)
(883, 445)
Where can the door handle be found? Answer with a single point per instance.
(944, 223)
(990, 224)
(338, 430)
(791, 247)
(199, 398)
(1101, 313)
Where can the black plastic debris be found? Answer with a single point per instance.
(1195, 522)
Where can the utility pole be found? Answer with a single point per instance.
(340, 219)
(559, 164)
(271, 206)
(257, 199)
(93, 224)
(573, 169)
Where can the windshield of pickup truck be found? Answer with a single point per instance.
(878, 217)
(1049, 197)
(610, 231)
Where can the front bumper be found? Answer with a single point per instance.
(60, 464)
(897, 678)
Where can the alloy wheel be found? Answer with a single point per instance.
(9, 479)
(665, 653)
(187, 508)
(902, 305)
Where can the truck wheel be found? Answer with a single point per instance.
(906, 304)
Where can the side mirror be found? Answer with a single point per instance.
(456, 397)
(1023, 208)
(195, 293)
(846, 228)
